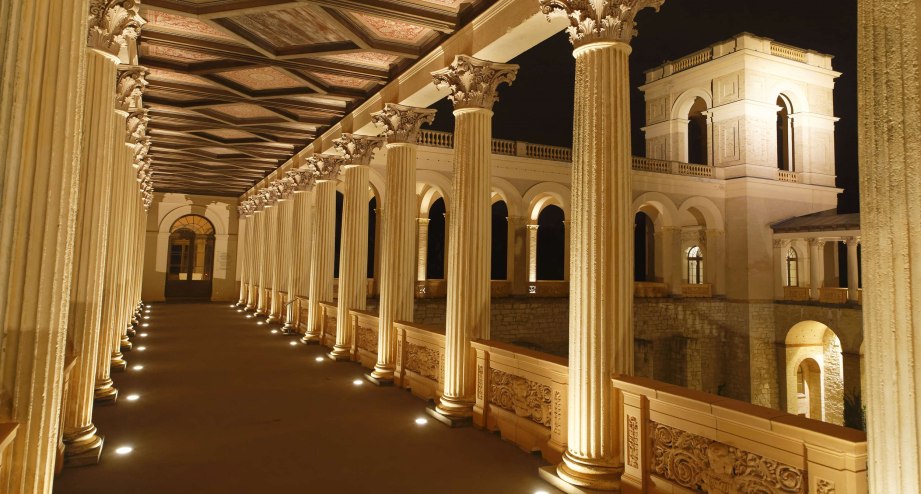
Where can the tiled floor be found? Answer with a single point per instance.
(225, 406)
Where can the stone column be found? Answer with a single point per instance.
(566, 254)
(532, 253)
(258, 296)
(265, 251)
(353, 252)
(82, 444)
(889, 99)
(300, 244)
(816, 266)
(242, 252)
(473, 85)
(41, 114)
(601, 266)
(853, 269)
(324, 233)
(780, 268)
(250, 261)
(422, 250)
(274, 244)
(401, 126)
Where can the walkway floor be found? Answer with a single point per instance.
(227, 407)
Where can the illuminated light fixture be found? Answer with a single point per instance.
(133, 397)
(319, 359)
(274, 331)
(292, 343)
(124, 450)
(358, 382)
(239, 310)
(232, 306)
(143, 335)
(146, 317)
(138, 367)
(249, 316)
(259, 323)
(149, 306)
(142, 348)
(423, 421)
(147, 311)
(146, 324)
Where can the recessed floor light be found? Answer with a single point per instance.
(260, 323)
(146, 324)
(319, 359)
(146, 317)
(133, 397)
(292, 343)
(147, 311)
(138, 367)
(358, 382)
(149, 306)
(231, 305)
(249, 316)
(239, 310)
(274, 331)
(142, 348)
(123, 450)
(423, 421)
(143, 335)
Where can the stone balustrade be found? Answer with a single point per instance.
(420, 359)
(828, 295)
(366, 326)
(650, 289)
(680, 440)
(796, 293)
(328, 324)
(301, 312)
(785, 176)
(697, 290)
(523, 395)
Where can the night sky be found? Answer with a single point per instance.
(538, 107)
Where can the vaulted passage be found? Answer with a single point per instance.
(226, 406)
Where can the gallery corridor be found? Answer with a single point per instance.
(225, 406)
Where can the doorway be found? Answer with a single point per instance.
(190, 259)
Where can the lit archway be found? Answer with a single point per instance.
(190, 258)
(815, 375)
(551, 244)
(785, 134)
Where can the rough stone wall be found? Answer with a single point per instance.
(834, 386)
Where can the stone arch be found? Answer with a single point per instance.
(545, 194)
(377, 188)
(813, 340)
(217, 220)
(792, 92)
(429, 179)
(428, 197)
(685, 101)
(658, 206)
(701, 211)
(504, 190)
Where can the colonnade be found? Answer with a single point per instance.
(76, 188)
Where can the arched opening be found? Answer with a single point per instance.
(792, 267)
(809, 389)
(339, 200)
(499, 264)
(695, 266)
(697, 133)
(784, 135)
(644, 248)
(372, 230)
(551, 243)
(190, 258)
(815, 372)
(437, 246)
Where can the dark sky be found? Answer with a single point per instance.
(538, 107)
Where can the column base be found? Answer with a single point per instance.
(132, 333)
(260, 312)
(249, 308)
(587, 474)
(310, 339)
(380, 381)
(118, 363)
(289, 329)
(105, 394)
(449, 420)
(341, 353)
(272, 319)
(126, 344)
(549, 475)
(240, 303)
(83, 450)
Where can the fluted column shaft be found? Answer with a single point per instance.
(302, 249)
(323, 259)
(532, 253)
(422, 249)
(468, 302)
(41, 113)
(353, 257)
(125, 309)
(265, 275)
(273, 243)
(601, 266)
(817, 267)
(254, 297)
(82, 445)
(853, 270)
(243, 251)
(288, 263)
(249, 262)
(397, 260)
(889, 99)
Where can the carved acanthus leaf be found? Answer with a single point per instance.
(358, 149)
(598, 20)
(401, 123)
(304, 178)
(523, 397)
(112, 23)
(474, 83)
(136, 125)
(326, 166)
(129, 87)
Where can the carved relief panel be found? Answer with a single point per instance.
(727, 89)
(727, 142)
(657, 110)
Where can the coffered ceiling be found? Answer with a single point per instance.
(238, 86)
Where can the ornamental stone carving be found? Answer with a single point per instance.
(366, 339)
(823, 486)
(633, 442)
(598, 20)
(423, 360)
(325, 166)
(129, 88)
(358, 149)
(521, 396)
(303, 179)
(136, 125)
(112, 23)
(401, 123)
(702, 464)
(473, 82)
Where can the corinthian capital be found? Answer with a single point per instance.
(112, 23)
(129, 88)
(325, 166)
(136, 125)
(598, 20)
(473, 82)
(358, 149)
(303, 178)
(401, 123)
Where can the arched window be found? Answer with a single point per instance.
(436, 248)
(644, 263)
(697, 133)
(499, 264)
(785, 138)
(190, 258)
(551, 244)
(792, 268)
(695, 266)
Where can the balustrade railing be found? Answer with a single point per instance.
(550, 153)
(796, 293)
(502, 146)
(366, 328)
(420, 365)
(689, 61)
(785, 176)
(435, 138)
(788, 52)
(832, 295)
